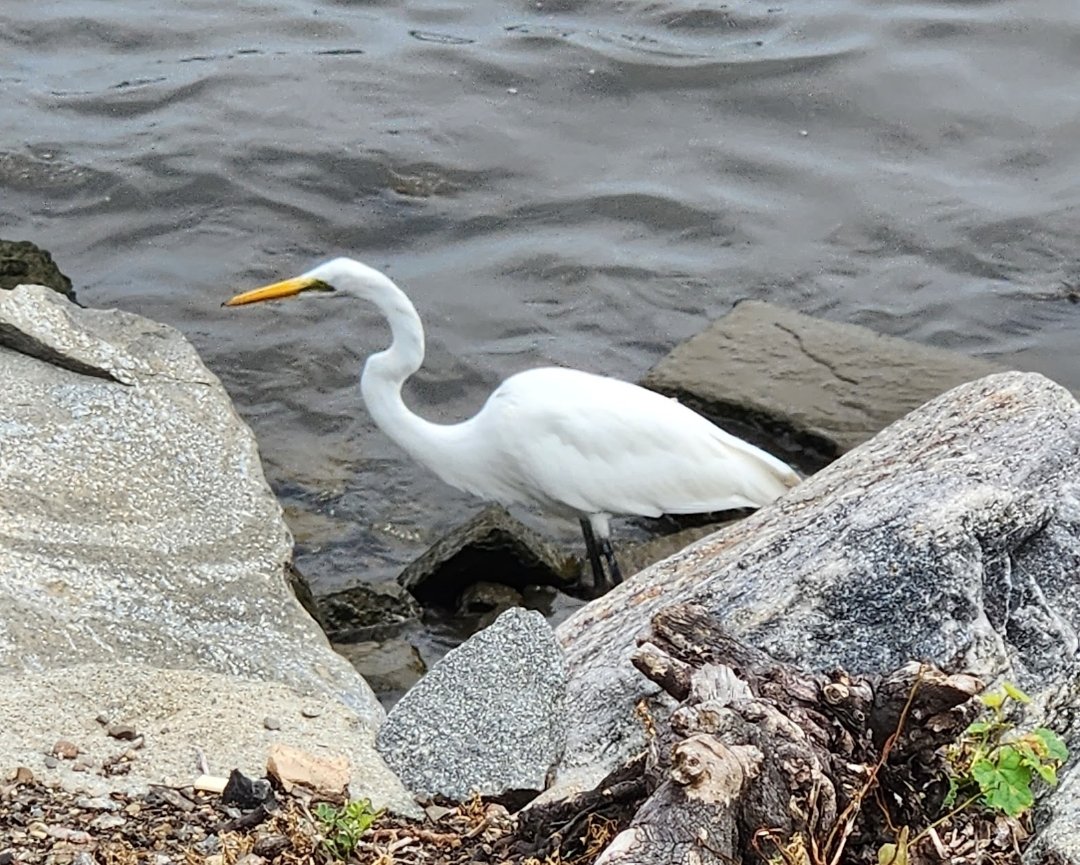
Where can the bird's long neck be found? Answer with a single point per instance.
(386, 372)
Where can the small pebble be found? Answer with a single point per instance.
(65, 750)
(97, 803)
(511, 90)
(103, 719)
(311, 711)
(106, 822)
(51, 762)
(437, 812)
(271, 723)
(209, 845)
(210, 783)
(270, 846)
(74, 836)
(122, 731)
(83, 858)
(82, 765)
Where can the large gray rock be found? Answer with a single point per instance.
(825, 385)
(952, 536)
(178, 713)
(488, 717)
(136, 527)
(1058, 839)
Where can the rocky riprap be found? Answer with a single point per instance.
(23, 262)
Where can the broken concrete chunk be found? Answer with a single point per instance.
(326, 776)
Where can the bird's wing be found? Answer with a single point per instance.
(595, 444)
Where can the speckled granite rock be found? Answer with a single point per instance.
(136, 525)
(487, 718)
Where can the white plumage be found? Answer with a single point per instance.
(564, 440)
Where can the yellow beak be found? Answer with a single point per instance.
(285, 288)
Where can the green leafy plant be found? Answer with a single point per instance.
(343, 826)
(994, 763)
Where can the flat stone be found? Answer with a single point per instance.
(65, 750)
(98, 803)
(137, 526)
(106, 822)
(823, 385)
(951, 536)
(488, 718)
(124, 732)
(327, 776)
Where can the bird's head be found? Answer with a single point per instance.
(338, 274)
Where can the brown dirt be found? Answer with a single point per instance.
(47, 825)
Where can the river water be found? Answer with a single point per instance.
(563, 181)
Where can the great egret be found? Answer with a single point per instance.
(567, 441)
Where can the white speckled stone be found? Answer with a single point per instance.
(487, 718)
(136, 525)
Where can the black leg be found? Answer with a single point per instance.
(599, 580)
(613, 565)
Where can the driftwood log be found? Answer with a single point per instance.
(763, 761)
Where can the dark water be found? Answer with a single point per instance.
(574, 182)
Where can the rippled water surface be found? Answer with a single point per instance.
(574, 182)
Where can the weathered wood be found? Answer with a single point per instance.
(544, 829)
(706, 777)
(762, 756)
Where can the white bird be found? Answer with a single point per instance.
(567, 441)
